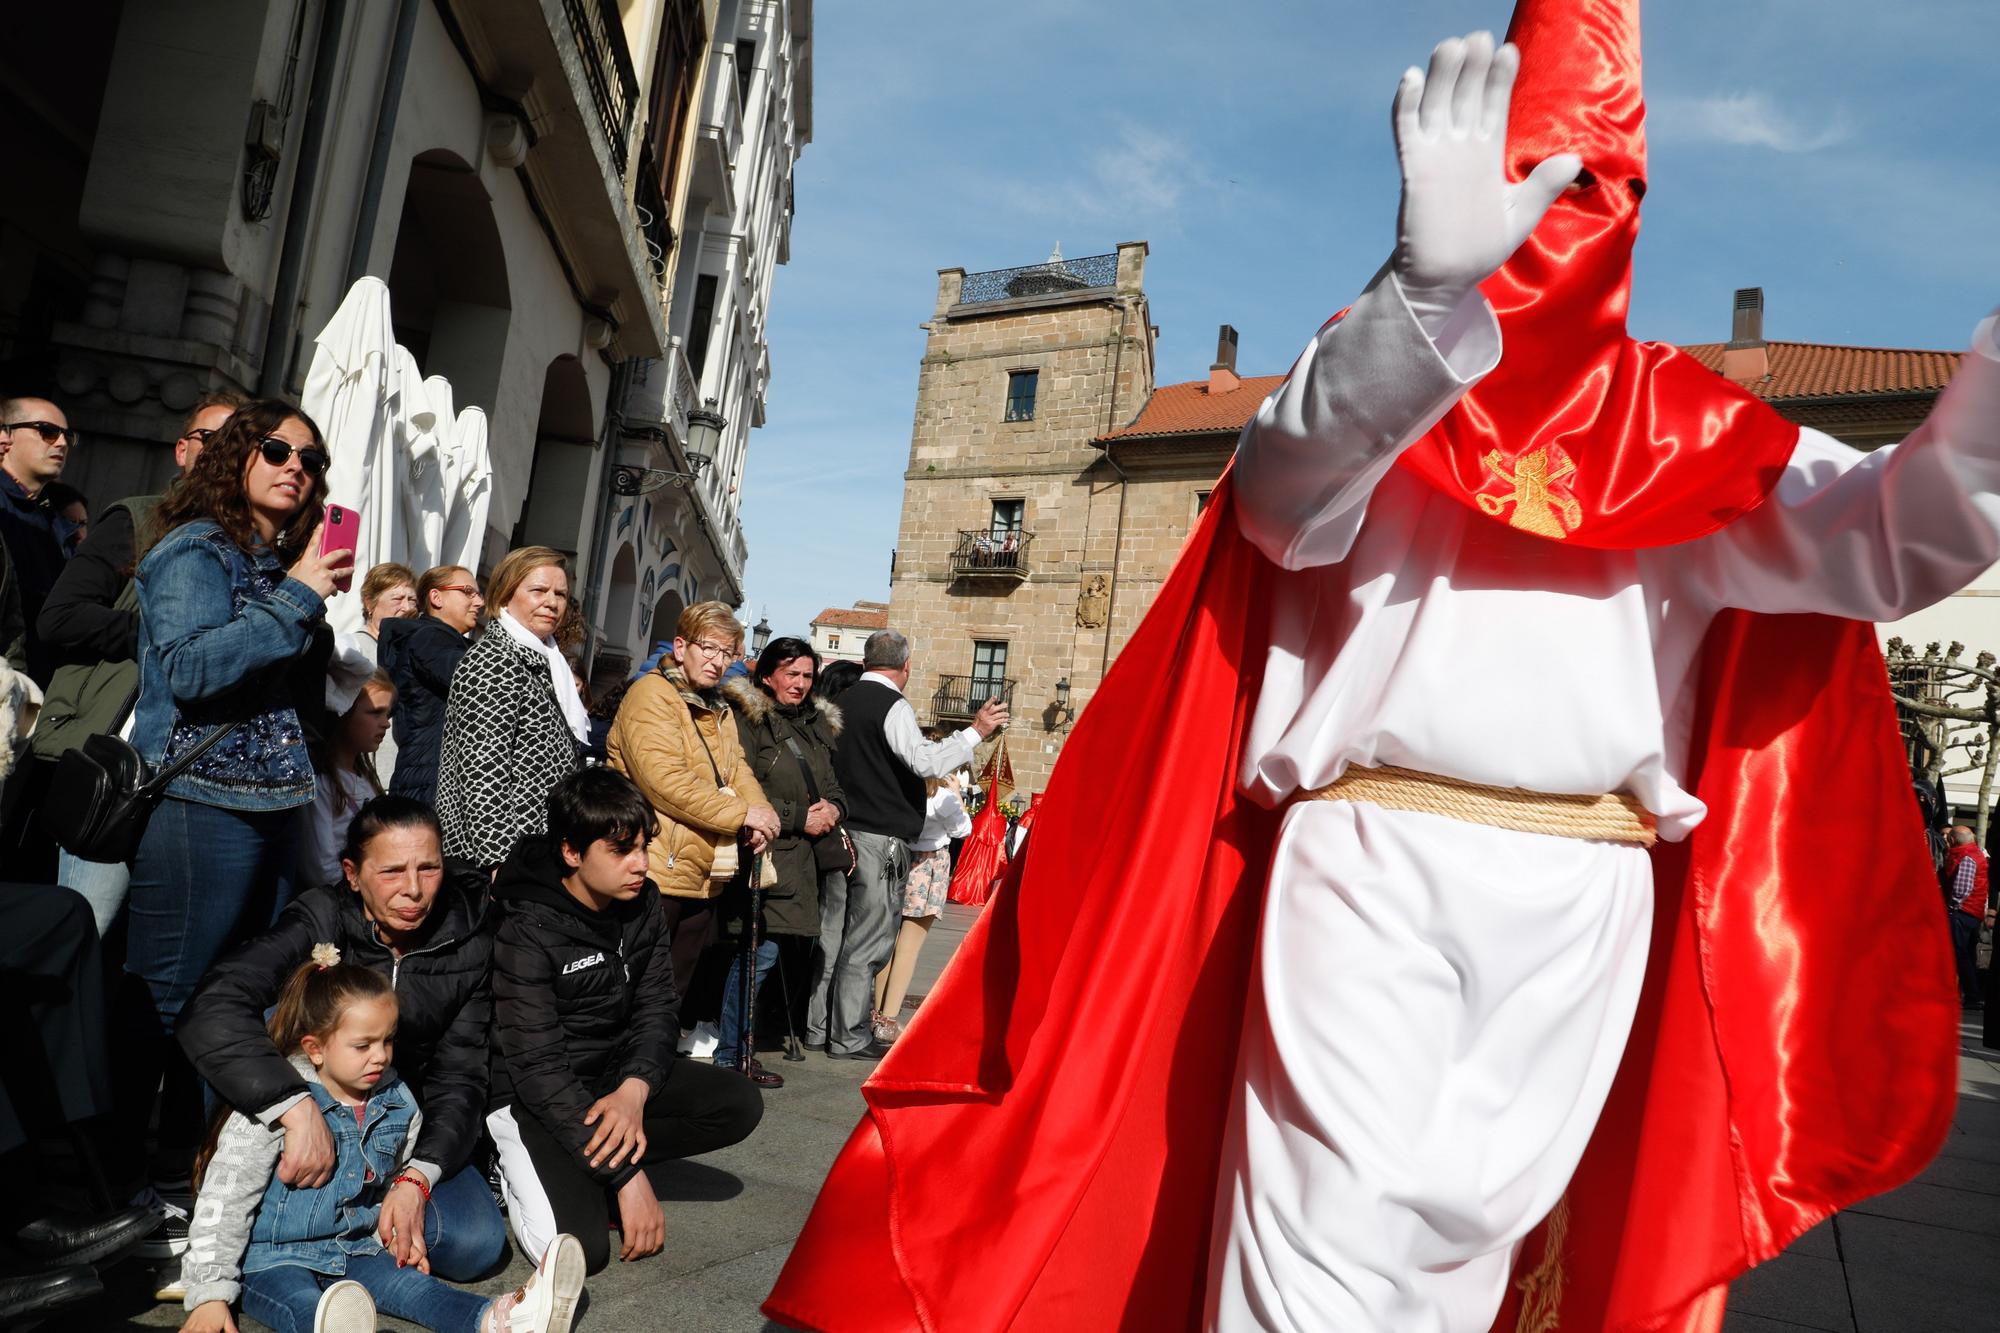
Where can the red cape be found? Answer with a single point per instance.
(1041, 1147)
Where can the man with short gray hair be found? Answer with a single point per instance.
(882, 759)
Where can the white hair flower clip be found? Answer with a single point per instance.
(326, 955)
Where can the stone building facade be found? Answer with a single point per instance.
(1104, 475)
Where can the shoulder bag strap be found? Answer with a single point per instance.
(712, 766)
(805, 768)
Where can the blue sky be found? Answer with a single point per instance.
(1843, 155)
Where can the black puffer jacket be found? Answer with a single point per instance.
(442, 989)
(419, 656)
(764, 725)
(582, 1000)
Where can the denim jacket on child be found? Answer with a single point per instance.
(246, 1220)
(220, 634)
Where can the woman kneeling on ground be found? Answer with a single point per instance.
(307, 1258)
(404, 914)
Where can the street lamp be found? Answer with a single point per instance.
(1064, 714)
(760, 634)
(704, 434)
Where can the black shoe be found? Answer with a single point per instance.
(815, 1046)
(874, 1050)
(39, 1293)
(68, 1238)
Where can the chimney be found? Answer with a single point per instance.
(1222, 375)
(1746, 358)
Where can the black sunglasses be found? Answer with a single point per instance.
(279, 452)
(48, 430)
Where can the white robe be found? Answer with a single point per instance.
(1439, 1008)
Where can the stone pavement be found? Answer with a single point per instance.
(1925, 1258)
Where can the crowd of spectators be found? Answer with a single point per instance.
(422, 946)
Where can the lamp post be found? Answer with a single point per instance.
(1064, 714)
(760, 635)
(704, 435)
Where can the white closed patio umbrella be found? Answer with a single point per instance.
(349, 393)
(425, 496)
(468, 491)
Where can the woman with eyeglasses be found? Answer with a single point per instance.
(675, 736)
(514, 724)
(420, 655)
(232, 638)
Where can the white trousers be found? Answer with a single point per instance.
(1437, 1011)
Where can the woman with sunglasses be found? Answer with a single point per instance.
(232, 595)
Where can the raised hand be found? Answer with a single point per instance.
(1461, 217)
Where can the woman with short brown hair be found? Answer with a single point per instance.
(514, 725)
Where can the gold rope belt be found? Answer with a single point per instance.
(1613, 818)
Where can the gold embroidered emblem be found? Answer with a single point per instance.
(1543, 503)
(1541, 1290)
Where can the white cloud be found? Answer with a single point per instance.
(1746, 120)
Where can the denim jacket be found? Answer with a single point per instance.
(246, 1220)
(219, 635)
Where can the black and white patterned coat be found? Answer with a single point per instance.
(505, 746)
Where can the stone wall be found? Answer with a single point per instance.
(1089, 570)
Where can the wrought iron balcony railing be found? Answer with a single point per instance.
(1045, 279)
(958, 698)
(982, 554)
(607, 68)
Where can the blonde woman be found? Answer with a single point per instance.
(514, 725)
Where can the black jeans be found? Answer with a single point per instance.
(1965, 947)
(52, 985)
(549, 1190)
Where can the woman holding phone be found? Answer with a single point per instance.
(232, 594)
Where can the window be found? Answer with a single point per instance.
(1201, 502)
(683, 36)
(746, 66)
(700, 323)
(989, 671)
(833, 643)
(1007, 515)
(1021, 394)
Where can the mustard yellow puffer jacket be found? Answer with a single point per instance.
(657, 741)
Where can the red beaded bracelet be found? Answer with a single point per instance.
(415, 1178)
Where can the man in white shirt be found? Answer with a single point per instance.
(882, 759)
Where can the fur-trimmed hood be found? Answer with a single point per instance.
(757, 706)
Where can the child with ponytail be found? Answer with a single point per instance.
(310, 1260)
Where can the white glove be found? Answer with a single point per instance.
(1461, 218)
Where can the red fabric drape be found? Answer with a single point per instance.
(982, 858)
(1040, 1148)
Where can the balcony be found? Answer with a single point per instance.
(958, 698)
(662, 393)
(982, 554)
(721, 132)
(607, 70)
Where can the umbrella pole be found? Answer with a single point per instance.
(746, 1059)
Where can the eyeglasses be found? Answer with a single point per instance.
(711, 649)
(279, 452)
(469, 589)
(201, 435)
(48, 430)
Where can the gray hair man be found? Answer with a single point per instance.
(882, 759)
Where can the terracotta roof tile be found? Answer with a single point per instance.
(1798, 370)
(1822, 370)
(842, 617)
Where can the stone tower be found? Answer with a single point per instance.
(1011, 509)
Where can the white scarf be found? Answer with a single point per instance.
(559, 675)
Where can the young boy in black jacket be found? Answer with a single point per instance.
(586, 1086)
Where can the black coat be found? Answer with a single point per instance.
(419, 655)
(80, 621)
(444, 998)
(791, 908)
(582, 1000)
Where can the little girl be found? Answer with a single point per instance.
(309, 1260)
(346, 779)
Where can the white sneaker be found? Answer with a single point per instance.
(171, 1240)
(707, 1036)
(168, 1287)
(345, 1307)
(547, 1304)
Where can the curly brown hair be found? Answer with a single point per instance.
(214, 487)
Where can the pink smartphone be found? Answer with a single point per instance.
(341, 531)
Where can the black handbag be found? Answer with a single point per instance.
(101, 796)
(833, 849)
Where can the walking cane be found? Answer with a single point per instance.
(748, 1036)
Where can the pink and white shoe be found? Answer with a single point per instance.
(345, 1307)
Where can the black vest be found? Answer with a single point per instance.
(883, 795)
